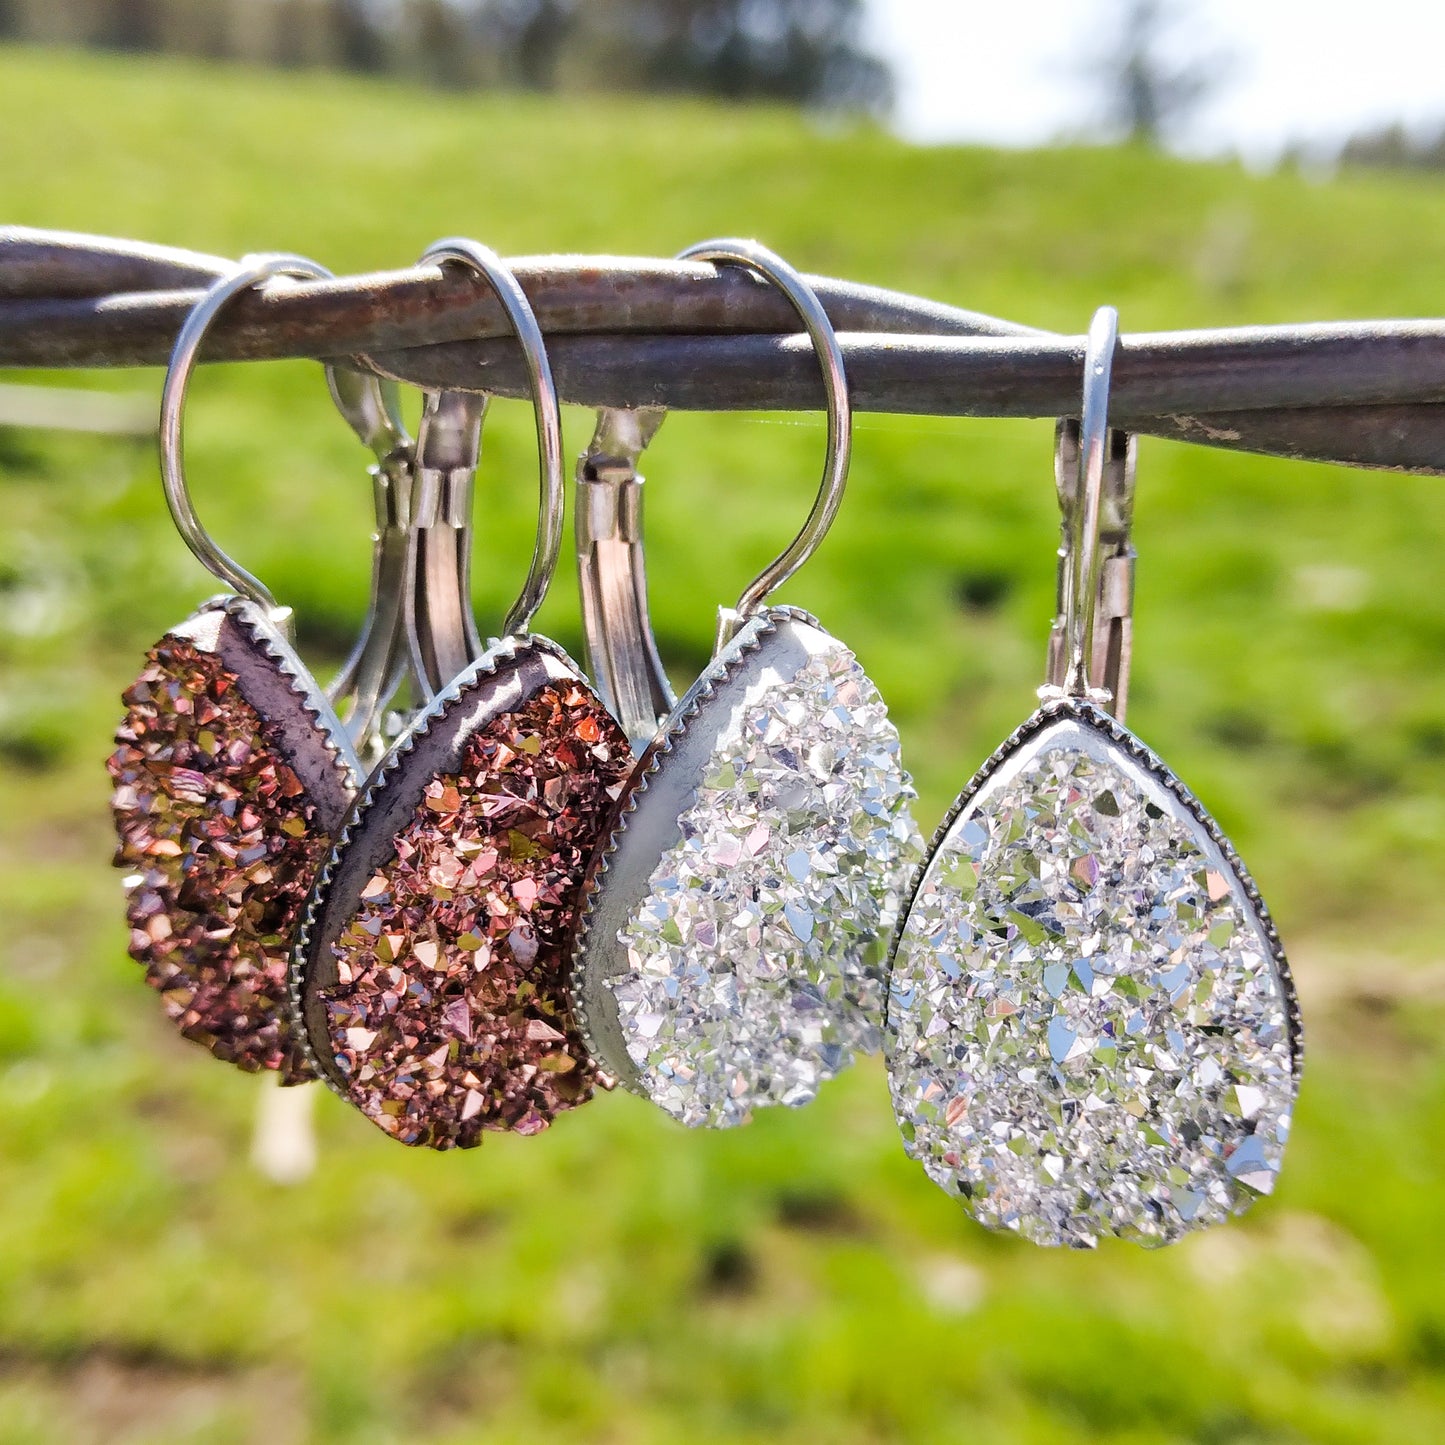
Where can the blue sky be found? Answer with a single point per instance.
(1015, 73)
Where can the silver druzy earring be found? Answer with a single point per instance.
(1092, 1029)
(730, 949)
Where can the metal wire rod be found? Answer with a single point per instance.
(66, 263)
(1206, 388)
(82, 322)
(632, 333)
(1177, 378)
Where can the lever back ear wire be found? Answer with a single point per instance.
(777, 272)
(730, 950)
(374, 670)
(231, 772)
(1112, 645)
(612, 572)
(1092, 640)
(1091, 1028)
(548, 412)
(252, 271)
(441, 628)
(429, 972)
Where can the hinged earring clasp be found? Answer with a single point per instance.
(621, 650)
(1091, 641)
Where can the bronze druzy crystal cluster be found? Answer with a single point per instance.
(448, 1015)
(231, 776)
(221, 843)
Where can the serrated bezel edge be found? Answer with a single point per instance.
(268, 637)
(717, 673)
(498, 652)
(1141, 753)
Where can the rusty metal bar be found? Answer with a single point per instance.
(65, 263)
(1154, 374)
(627, 332)
(63, 311)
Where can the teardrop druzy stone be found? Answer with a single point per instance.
(438, 1006)
(1092, 1029)
(228, 785)
(746, 905)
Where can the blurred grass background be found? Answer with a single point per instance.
(619, 1279)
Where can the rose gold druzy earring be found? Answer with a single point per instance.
(430, 968)
(232, 768)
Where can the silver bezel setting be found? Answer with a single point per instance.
(613, 870)
(279, 686)
(660, 816)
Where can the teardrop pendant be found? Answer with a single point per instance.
(732, 950)
(1091, 1025)
(231, 772)
(736, 923)
(1092, 1028)
(232, 769)
(430, 965)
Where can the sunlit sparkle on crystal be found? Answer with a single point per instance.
(756, 960)
(1091, 1035)
(449, 1017)
(221, 845)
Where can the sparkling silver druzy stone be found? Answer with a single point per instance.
(749, 900)
(1091, 1028)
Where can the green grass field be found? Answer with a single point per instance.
(798, 1282)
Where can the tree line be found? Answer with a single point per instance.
(802, 51)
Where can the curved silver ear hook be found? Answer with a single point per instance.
(494, 271)
(251, 271)
(1091, 643)
(621, 650)
(840, 418)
